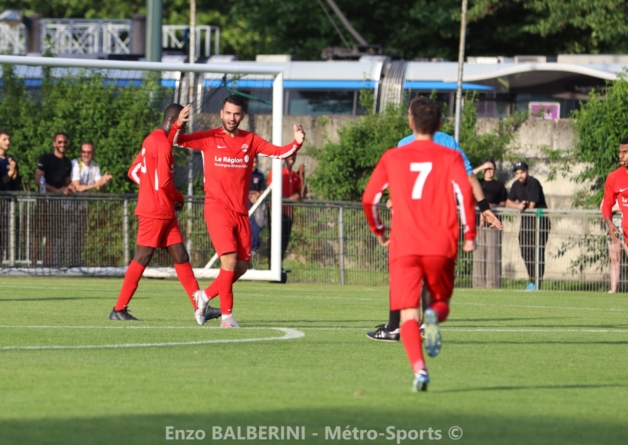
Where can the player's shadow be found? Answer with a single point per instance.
(529, 387)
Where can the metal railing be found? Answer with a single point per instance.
(174, 36)
(12, 39)
(329, 243)
(109, 36)
(86, 36)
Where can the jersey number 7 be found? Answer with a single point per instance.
(424, 169)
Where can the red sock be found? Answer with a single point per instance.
(411, 338)
(129, 286)
(442, 310)
(188, 280)
(212, 290)
(225, 286)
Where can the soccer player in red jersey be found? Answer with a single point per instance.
(158, 199)
(424, 180)
(228, 155)
(616, 189)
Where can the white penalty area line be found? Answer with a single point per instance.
(289, 334)
(570, 308)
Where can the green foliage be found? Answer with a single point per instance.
(85, 107)
(600, 126)
(412, 28)
(344, 167)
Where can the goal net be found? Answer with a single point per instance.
(114, 105)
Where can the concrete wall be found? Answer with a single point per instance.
(529, 140)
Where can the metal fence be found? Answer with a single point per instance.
(329, 243)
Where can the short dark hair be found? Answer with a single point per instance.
(624, 141)
(426, 115)
(171, 111)
(235, 100)
(61, 133)
(3, 131)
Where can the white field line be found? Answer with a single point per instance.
(289, 334)
(288, 331)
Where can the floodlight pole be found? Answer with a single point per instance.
(463, 29)
(154, 19)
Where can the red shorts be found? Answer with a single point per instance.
(407, 274)
(229, 231)
(155, 233)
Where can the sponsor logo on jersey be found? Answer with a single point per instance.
(245, 147)
(246, 158)
(228, 160)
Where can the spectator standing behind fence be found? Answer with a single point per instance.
(291, 189)
(616, 191)
(55, 168)
(53, 175)
(9, 172)
(86, 172)
(258, 218)
(614, 249)
(85, 176)
(527, 193)
(487, 258)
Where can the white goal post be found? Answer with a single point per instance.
(274, 272)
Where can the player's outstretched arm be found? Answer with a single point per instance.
(265, 148)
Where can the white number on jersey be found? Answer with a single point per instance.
(424, 169)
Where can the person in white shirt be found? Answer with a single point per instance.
(85, 176)
(86, 172)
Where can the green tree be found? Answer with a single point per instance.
(600, 125)
(411, 28)
(344, 167)
(87, 108)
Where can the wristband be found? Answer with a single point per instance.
(484, 205)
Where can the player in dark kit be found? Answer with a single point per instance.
(424, 180)
(157, 201)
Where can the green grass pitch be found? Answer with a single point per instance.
(516, 367)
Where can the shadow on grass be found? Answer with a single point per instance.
(477, 428)
(531, 387)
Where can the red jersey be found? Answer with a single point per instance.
(228, 162)
(424, 180)
(291, 182)
(153, 171)
(616, 189)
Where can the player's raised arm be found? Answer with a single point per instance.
(165, 173)
(464, 194)
(195, 141)
(371, 199)
(265, 148)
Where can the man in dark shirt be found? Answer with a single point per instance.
(527, 193)
(55, 216)
(55, 167)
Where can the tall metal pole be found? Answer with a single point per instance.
(191, 121)
(463, 29)
(154, 19)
